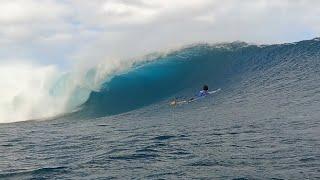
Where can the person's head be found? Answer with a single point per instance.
(205, 88)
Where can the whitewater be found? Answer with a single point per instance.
(113, 120)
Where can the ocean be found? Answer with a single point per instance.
(263, 124)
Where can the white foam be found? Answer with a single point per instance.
(31, 91)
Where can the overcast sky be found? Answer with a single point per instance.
(64, 31)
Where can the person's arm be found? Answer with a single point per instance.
(212, 92)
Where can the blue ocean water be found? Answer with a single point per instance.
(263, 124)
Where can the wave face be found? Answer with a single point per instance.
(183, 72)
(118, 87)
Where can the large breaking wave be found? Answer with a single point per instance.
(121, 86)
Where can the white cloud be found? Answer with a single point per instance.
(130, 27)
(53, 31)
(30, 11)
(27, 20)
(117, 13)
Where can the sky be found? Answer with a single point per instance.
(64, 32)
(48, 47)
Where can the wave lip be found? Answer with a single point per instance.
(120, 86)
(183, 72)
(32, 92)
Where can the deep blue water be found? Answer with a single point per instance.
(264, 124)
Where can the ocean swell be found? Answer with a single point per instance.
(113, 87)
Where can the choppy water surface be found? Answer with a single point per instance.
(264, 124)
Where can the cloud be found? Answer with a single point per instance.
(37, 37)
(118, 13)
(29, 11)
(122, 28)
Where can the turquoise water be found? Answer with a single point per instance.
(264, 123)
